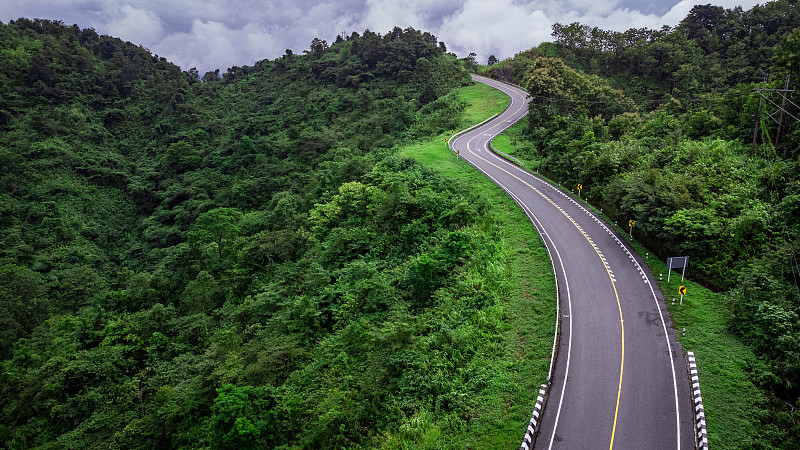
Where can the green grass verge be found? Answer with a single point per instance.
(529, 309)
(734, 405)
(482, 102)
(507, 140)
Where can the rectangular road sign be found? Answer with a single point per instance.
(682, 290)
(677, 262)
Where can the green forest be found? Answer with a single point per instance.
(245, 260)
(275, 256)
(666, 127)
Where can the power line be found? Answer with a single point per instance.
(781, 109)
(634, 101)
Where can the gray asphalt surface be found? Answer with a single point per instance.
(620, 377)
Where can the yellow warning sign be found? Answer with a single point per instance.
(580, 186)
(631, 223)
(682, 290)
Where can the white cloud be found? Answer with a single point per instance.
(136, 25)
(212, 34)
(621, 19)
(594, 7)
(499, 27)
(382, 16)
(506, 27)
(212, 45)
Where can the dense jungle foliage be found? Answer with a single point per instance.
(237, 261)
(664, 127)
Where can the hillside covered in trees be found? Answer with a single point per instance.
(237, 261)
(666, 127)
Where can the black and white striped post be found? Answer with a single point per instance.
(530, 433)
(697, 398)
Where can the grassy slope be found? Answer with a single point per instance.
(530, 308)
(733, 403)
(484, 102)
(505, 142)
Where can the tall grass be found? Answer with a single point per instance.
(734, 405)
(518, 364)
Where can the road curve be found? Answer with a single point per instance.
(620, 378)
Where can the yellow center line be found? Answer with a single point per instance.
(613, 284)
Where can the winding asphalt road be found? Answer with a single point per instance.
(620, 377)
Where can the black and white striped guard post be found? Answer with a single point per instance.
(697, 398)
(527, 442)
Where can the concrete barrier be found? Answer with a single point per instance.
(530, 433)
(701, 435)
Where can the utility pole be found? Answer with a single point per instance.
(758, 116)
(783, 107)
(780, 111)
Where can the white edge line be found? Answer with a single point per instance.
(669, 351)
(532, 217)
(566, 283)
(655, 299)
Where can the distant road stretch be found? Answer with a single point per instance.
(620, 378)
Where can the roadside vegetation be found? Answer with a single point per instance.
(658, 127)
(253, 259)
(729, 369)
(482, 102)
(529, 306)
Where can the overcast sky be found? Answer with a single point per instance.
(218, 34)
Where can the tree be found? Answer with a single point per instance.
(235, 421)
(78, 285)
(211, 76)
(469, 61)
(318, 47)
(492, 60)
(218, 226)
(569, 92)
(787, 55)
(181, 156)
(21, 304)
(120, 195)
(202, 294)
(424, 276)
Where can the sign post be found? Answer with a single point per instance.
(580, 186)
(682, 291)
(631, 223)
(677, 262)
